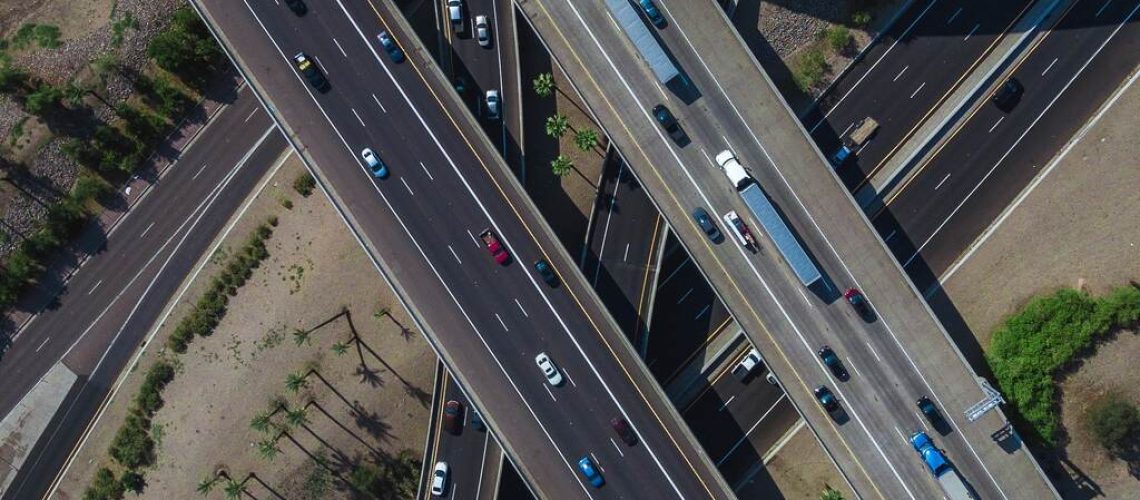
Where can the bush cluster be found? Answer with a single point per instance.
(186, 48)
(104, 486)
(149, 398)
(1046, 337)
(211, 306)
(809, 68)
(1114, 423)
(304, 184)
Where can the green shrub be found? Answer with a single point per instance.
(41, 99)
(149, 398)
(132, 446)
(45, 35)
(304, 184)
(104, 486)
(838, 38)
(1051, 332)
(1114, 423)
(860, 19)
(133, 481)
(186, 48)
(808, 69)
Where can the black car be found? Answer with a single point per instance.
(826, 398)
(297, 6)
(543, 268)
(477, 421)
(1008, 94)
(707, 225)
(832, 361)
(308, 67)
(926, 406)
(623, 430)
(669, 123)
(390, 47)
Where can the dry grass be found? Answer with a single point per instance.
(802, 470)
(1077, 229)
(369, 402)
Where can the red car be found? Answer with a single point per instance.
(452, 416)
(498, 251)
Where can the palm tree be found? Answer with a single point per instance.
(586, 139)
(340, 348)
(234, 489)
(544, 84)
(297, 417)
(73, 93)
(260, 422)
(556, 125)
(301, 336)
(295, 381)
(268, 449)
(561, 166)
(206, 485)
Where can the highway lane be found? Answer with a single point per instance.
(620, 253)
(113, 301)
(907, 74)
(466, 453)
(486, 321)
(992, 155)
(896, 354)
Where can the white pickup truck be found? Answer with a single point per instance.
(746, 365)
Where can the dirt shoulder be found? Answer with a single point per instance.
(365, 396)
(1077, 229)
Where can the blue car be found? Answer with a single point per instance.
(390, 47)
(587, 468)
(375, 164)
(653, 12)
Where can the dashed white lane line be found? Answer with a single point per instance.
(342, 52)
(725, 405)
(685, 296)
(358, 118)
(1102, 7)
(500, 318)
(426, 171)
(616, 447)
(921, 421)
(889, 236)
(674, 273)
(954, 16)
(919, 89)
(147, 230)
(852, 366)
(473, 238)
(377, 99)
(702, 312)
(42, 344)
(199, 172)
(453, 254)
(900, 74)
(1050, 66)
(1000, 118)
(597, 462)
(517, 303)
(250, 115)
(406, 186)
(903, 436)
(750, 429)
(804, 296)
(941, 182)
(89, 292)
(971, 33)
(568, 377)
(548, 391)
(872, 348)
(625, 258)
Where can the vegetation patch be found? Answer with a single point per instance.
(1048, 337)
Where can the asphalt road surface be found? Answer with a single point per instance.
(114, 300)
(899, 356)
(992, 155)
(907, 74)
(446, 186)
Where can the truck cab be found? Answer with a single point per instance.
(733, 169)
(861, 132)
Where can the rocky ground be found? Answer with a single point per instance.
(86, 33)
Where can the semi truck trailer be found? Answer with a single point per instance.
(945, 473)
(785, 240)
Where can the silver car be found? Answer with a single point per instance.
(482, 31)
(547, 366)
(494, 105)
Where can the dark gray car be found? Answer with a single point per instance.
(707, 225)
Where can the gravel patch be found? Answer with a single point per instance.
(787, 29)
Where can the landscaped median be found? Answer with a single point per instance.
(285, 370)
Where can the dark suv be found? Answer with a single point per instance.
(669, 123)
(1008, 94)
(707, 225)
(832, 361)
(926, 406)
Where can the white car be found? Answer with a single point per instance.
(455, 14)
(494, 105)
(482, 31)
(547, 366)
(439, 478)
(746, 365)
